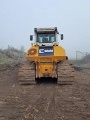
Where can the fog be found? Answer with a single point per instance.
(18, 18)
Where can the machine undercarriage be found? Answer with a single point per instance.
(27, 71)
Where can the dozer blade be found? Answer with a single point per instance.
(65, 71)
(26, 73)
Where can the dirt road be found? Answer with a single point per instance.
(45, 101)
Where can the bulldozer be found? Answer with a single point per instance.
(46, 59)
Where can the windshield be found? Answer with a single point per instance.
(46, 38)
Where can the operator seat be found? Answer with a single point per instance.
(45, 40)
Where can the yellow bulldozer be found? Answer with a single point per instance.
(46, 59)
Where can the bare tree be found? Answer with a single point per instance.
(22, 48)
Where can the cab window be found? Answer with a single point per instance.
(46, 38)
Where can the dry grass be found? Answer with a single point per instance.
(11, 56)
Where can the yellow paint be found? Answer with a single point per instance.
(46, 65)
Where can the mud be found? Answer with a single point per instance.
(44, 101)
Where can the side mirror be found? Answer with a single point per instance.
(31, 37)
(61, 36)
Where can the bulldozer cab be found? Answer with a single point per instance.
(45, 36)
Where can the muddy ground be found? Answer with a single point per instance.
(44, 101)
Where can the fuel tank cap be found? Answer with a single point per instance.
(32, 51)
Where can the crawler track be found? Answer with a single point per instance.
(65, 72)
(26, 74)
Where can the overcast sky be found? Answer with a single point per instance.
(72, 17)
